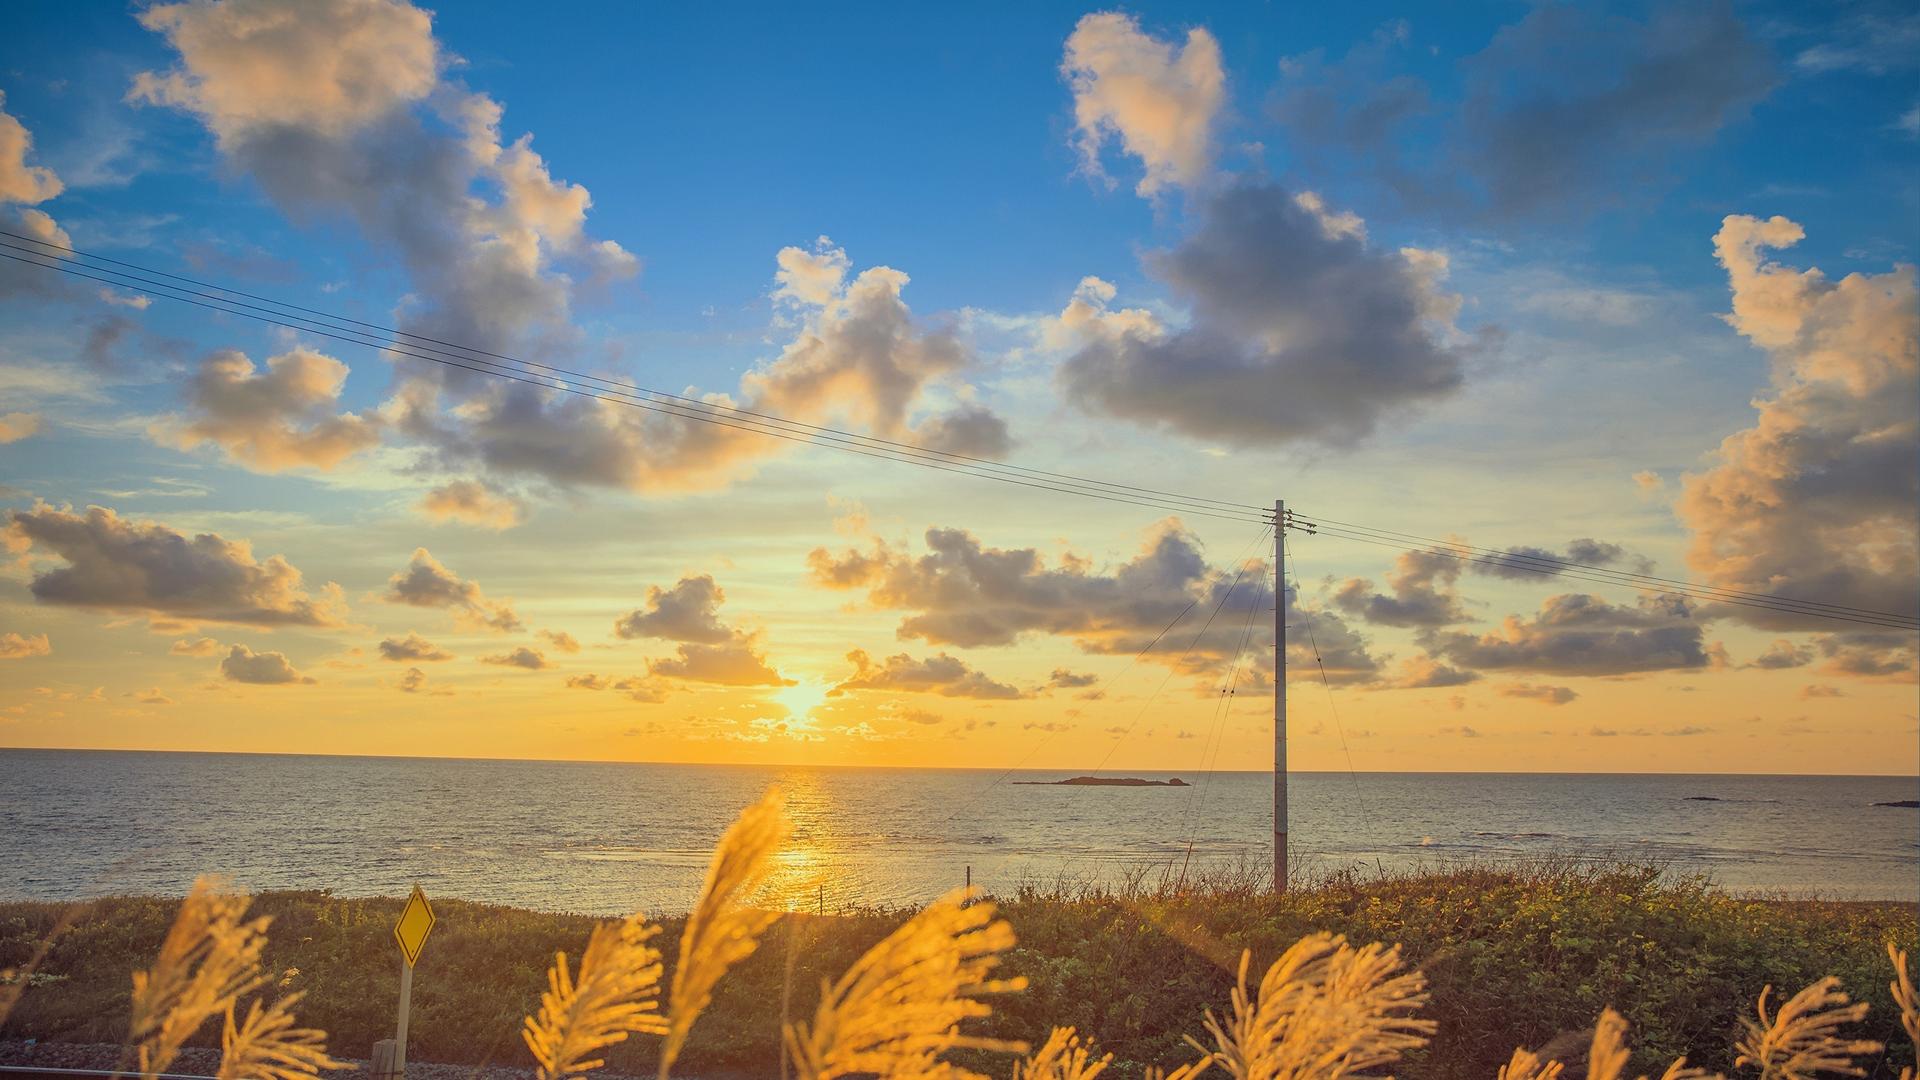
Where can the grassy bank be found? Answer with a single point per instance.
(1516, 956)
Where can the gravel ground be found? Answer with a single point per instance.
(203, 1062)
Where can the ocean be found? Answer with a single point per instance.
(614, 838)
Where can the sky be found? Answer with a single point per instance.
(1627, 286)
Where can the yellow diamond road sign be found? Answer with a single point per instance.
(416, 922)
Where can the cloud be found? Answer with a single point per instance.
(1815, 690)
(964, 594)
(15, 426)
(340, 108)
(1565, 112)
(1463, 731)
(412, 649)
(894, 710)
(971, 430)
(474, 503)
(1423, 596)
(1783, 654)
(1871, 654)
(205, 646)
(144, 567)
(19, 181)
(520, 657)
(427, 583)
(560, 639)
(343, 109)
(1299, 331)
(939, 674)
(412, 682)
(736, 661)
(1688, 729)
(1161, 102)
(1578, 634)
(136, 301)
(1864, 39)
(1537, 133)
(685, 612)
(1062, 678)
(1423, 672)
(100, 349)
(857, 359)
(1545, 695)
(270, 421)
(253, 67)
(243, 665)
(1815, 501)
(1524, 562)
(710, 651)
(20, 646)
(24, 185)
(152, 696)
(645, 689)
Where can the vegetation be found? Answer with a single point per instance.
(1612, 966)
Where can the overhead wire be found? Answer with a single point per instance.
(408, 345)
(1188, 651)
(1126, 671)
(1216, 737)
(1333, 708)
(311, 320)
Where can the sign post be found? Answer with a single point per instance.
(416, 922)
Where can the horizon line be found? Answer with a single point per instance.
(935, 768)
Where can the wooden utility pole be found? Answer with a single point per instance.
(1279, 696)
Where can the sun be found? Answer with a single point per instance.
(802, 697)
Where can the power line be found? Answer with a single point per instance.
(1128, 670)
(326, 324)
(1223, 716)
(1188, 651)
(549, 377)
(1306, 617)
(550, 383)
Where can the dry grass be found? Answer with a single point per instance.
(1064, 1056)
(617, 994)
(208, 962)
(900, 1007)
(723, 929)
(1324, 1010)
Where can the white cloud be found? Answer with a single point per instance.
(1815, 501)
(249, 67)
(19, 181)
(271, 421)
(20, 646)
(1160, 101)
(243, 665)
(474, 503)
(15, 426)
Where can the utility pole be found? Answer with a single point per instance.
(1279, 696)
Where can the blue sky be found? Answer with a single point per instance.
(1533, 191)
